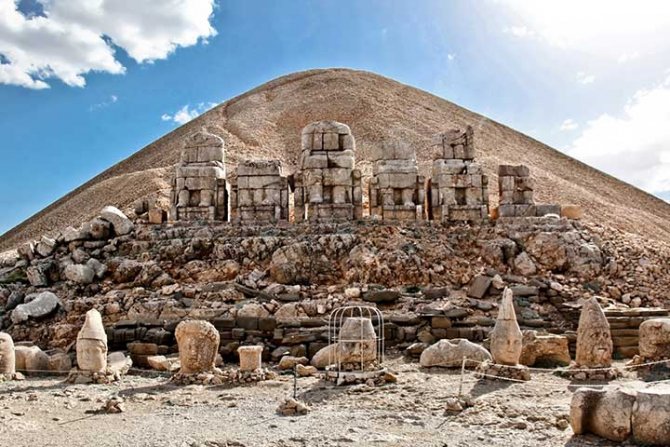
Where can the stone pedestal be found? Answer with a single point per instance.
(250, 357)
(259, 193)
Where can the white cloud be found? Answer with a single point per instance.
(627, 57)
(519, 31)
(600, 27)
(585, 78)
(75, 37)
(108, 102)
(451, 56)
(186, 113)
(634, 146)
(568, 125)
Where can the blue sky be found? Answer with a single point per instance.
(591, 78)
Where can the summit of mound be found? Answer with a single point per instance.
(266, 123)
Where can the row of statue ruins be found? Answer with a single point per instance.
(328, 187)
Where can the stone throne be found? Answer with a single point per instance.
(458, 189)
(396, 189)
(200, 191)
(259, 193)
(327, 187)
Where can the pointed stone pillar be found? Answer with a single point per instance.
(92, 344)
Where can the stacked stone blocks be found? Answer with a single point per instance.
(200, 191)
(458, 189)
(259, 193)
(396, 189)
(327, 187)
(516, 194)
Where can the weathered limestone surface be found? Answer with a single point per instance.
(545, 349)
(654, 339)
(250, 357)
(458, 188)
(259, 193)
(92, 344)
(450, 353)
(651, 416)
(7, 356)
(200, 190)
(120, 222)
(31, 359)
(396, 189)
(594, 340)
(506, 336)
(198, 343)
(327, 187)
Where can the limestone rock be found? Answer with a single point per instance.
(524, 265)
(37, 305)
(92, 344)
(289, 362)
(31, 359)
(381, 296)
(100, 229)
(651, 416)
(545, 349)
(594, 340)
(606, 412)
(198, 343)
(79, 273)
(121, 224)
(305, 371)
(325, 356)
(118, 363)
(506, 335)
(450, 353)
(159, 363)
(654, 339)
(46, 246)
(7, 356)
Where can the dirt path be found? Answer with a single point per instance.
(47, 412)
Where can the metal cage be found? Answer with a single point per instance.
(337, 319)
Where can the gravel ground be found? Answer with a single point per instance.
(48, 412)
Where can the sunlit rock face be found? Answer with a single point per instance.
(198, 343)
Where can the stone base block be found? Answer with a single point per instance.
(490, 371)
(580, 374)
(221, 377)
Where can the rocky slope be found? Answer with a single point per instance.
(266, 123)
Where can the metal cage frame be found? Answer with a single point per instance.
(335, 322)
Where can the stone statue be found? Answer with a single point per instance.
(506, 336)
(92, 344)
(198, 343)
(357, 341)
(594, 341)
(7, 360)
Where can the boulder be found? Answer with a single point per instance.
(37, 305)
(544, 349)
(450, 353)
(120, 223)
(289, 362)
(100, 229)
(524, 265)
(305, 371)
(381, 296)
(324, 356)
(46, 246)
(79, 273)
(159, 363)
(604, 412)
(654, 339)
(651, 415)
(253, 310)
(572, 211)
(479, 286)
(60, 362)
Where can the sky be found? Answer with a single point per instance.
(86, 83)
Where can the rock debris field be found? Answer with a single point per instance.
(149, 411)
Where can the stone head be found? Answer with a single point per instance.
(198, 343)
(7, 358)
(92, 344)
